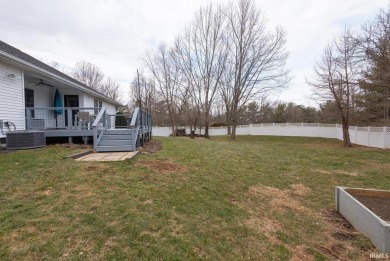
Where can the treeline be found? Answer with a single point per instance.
(353, 74)
(225, 65)
(259, 112)
(227, 57)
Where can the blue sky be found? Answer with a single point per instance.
(114, 34)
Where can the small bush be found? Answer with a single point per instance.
(218, 124)
(120, 120)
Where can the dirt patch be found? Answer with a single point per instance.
(161, 166)
(300, 190)
(340, 235)
(343, 236)
(98, 168)
(376, 201)
(151, 147)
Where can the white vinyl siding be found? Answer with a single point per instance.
(12, 96)
(88, 101)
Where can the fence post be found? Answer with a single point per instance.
(384, 137)
(319, 130)
(368, 136)
(250, 129)
(356, 134)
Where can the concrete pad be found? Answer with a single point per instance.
(108, 156)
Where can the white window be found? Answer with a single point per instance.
(97, 104)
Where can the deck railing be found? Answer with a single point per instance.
(141, 126)
(61, 118)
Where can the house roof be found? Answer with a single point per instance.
(4, 47)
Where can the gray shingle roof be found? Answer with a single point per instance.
(28, 58)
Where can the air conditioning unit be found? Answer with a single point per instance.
(17, 140)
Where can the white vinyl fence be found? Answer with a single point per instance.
(377, 137)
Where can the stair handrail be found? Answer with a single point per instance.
(99, 117)
(134, 119)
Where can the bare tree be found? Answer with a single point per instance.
(201, 55)
(336, 78)
(110, 87)
(258, 56)
(88, 73)
(226, 93)
(142, 91)
(165, 73)
(92, 76)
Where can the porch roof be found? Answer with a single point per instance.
(25, 61)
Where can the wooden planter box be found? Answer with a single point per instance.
(361, 217)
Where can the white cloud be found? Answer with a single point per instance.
(114, 34)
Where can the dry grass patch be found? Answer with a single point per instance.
(342, 172)
(300, 190)
(161, 166)
(352, 174)
(47, 192)
(299, 253)
(280, 199)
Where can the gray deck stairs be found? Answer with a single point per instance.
(116, 140)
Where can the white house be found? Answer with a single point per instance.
(26, 82)
(44, 102)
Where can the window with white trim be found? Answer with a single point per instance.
(97, 104)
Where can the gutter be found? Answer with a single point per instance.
(56, 77)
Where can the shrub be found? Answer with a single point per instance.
(120, 120)
(218, 124)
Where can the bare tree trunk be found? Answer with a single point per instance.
(346, 138)
(206, 123)
(233, 134)
(234, 124)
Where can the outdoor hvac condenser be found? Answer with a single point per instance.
(17, 140)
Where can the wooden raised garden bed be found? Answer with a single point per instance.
(368, 211)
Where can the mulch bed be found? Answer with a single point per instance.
(151, 147)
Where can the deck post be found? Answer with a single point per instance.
(28, 120)
(70, 120)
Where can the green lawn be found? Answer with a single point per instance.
(262, 198)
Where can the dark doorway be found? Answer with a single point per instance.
(70, 101)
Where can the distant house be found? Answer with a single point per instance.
(27, 98)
